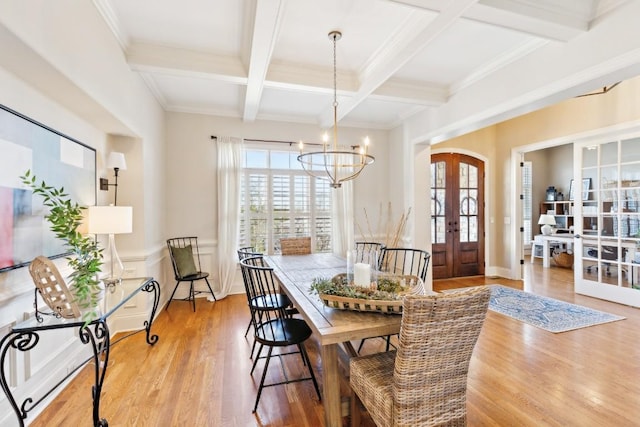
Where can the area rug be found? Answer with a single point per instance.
(546, 313)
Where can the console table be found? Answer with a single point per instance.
(25, 336)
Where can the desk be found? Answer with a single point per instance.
(332, 327)
(25, 336)
(566, 239)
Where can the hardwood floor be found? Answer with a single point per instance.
(198, 373)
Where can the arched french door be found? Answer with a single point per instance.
(457, 215)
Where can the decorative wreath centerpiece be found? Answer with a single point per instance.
(385, 296)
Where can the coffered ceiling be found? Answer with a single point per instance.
(272, 59)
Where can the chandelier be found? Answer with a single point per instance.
(335, 163)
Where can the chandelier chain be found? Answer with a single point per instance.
(335, 164)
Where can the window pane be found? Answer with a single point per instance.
(256, 159)
(302, 196)
(282, 202)
(279, 160)
(258, 193)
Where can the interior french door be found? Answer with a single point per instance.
(457, 215)
(607, 220)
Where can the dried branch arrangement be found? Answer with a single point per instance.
(392, 230)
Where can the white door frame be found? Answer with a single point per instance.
(516, 178)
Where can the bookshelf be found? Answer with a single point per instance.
(563, 212)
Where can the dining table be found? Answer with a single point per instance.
(333, 328)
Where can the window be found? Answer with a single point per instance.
(280, 200)
(527, 199)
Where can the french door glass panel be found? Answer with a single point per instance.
(608, 220)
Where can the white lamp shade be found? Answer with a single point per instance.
(116, 160)
(109, 219)
(547, 220)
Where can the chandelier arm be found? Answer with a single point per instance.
(335, 165)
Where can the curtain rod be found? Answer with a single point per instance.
(275, 141)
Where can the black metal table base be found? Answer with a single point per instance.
(95, 334)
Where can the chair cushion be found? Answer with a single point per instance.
(372, 380)
(184, 261)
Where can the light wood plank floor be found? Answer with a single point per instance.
(198, 373)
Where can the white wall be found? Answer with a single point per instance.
(62, 67)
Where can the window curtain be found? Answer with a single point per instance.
(229, 166)
(342, 217)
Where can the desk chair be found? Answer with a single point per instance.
(295, 245)
(424, 382)
(185, 259)
(608, 253)
(272, 326)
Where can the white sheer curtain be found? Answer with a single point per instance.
(342, 218)
(229, 166)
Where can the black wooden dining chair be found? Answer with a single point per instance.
(364, 247)
(185, 259)
(273, 327)
(243, 253)
(405, 262)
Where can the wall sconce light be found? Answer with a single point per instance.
(117, 162)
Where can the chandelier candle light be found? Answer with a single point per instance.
(338, 164)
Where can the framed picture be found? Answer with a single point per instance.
(572, 190)
(586, 186)
(53, 157)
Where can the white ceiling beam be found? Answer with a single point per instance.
(414, 36)
(187, 63)
(548, 19)
(152, 59)
(268, 18)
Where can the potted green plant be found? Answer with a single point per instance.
(65, 216)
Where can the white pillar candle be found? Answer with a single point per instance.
(361, 274)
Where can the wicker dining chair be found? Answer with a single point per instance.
(295, 245)
(424, 382)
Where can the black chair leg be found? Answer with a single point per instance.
(192, 296)
(210, 290)
(172, 294)
(264, 375)
(305, 357)
(255, 361)
(248, 327)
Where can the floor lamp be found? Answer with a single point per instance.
(111, 220)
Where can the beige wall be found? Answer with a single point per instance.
(578, 116)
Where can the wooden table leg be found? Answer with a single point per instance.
(331, 386)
